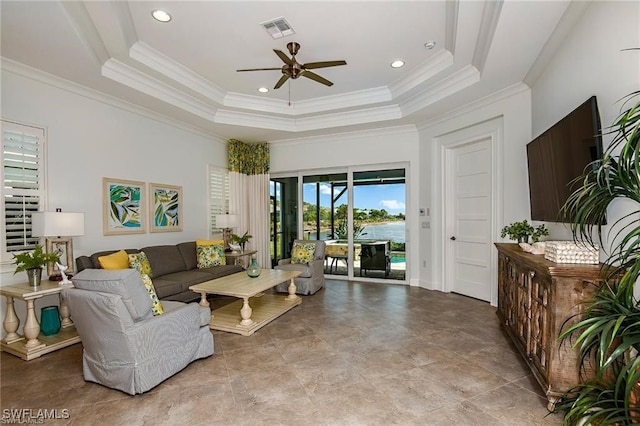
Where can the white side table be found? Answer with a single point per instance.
(33, 344)
(239, 257)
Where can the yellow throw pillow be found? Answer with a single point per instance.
(303, 252)
(156, 306)
(210, 243)
(117, 260)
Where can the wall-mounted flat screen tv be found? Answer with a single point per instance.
(558, 156)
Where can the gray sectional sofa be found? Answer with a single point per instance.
(175, 268)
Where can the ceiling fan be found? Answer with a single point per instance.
(292, 69)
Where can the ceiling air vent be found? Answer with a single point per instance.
(278, 28)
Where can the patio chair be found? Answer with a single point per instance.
(375, 257)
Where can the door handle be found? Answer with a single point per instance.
(453, 238)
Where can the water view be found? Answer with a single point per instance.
(392, 231)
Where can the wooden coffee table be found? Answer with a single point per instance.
(241, 317)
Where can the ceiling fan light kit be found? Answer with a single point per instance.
(292, 69)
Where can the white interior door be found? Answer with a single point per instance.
(468, 219)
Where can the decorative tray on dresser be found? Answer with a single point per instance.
(537, 298)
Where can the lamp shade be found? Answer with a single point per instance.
(57, 224)
(227, 221)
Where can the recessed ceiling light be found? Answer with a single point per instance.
(430, 45)
(263, 90)
(161, 15)
(397, 64)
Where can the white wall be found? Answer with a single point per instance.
(369, 148)
(589, 62)
(88, 140)
(512, 107)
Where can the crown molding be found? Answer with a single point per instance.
(348, 136)
(478, 104)
(318, 105)
(567, 22)
(177, 72)
(88, 34)
(488, 24)
(25, 71)
(131, 77)
(439, 62)
(338, 119)
(451, 25)
(453, 83)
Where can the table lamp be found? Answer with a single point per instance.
(226, 222)
(58, 227)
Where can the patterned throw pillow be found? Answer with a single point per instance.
(156, 306)
(303, 252)
(140, 263)
(117, 260)
(209, 256)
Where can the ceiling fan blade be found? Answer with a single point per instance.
(325, 64)
(280, 82)
(261, 69)
(315, 77)
(283, 56)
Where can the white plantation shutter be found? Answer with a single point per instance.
(23, 190)
(218, 195)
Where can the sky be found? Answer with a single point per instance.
(388, 197)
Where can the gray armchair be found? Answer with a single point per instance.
(311, 278)
(125, 346)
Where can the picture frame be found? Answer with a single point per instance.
(124, 207)
(165, 208)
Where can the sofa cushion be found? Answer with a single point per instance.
(126, 283)
(117, 260)
(140, 263)
(156, 306)
(188, 278)
(188, 252)
(164, 259)
(95, 263)
(209, 256)
(222, 271)
(165, 288)
(303, 252)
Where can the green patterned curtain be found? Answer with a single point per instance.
(248, 159)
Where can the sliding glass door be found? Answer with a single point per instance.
(324, 198)
(284, 217)
(379, 224)
(364, 229)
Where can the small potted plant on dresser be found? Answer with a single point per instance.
(523, 231)
(32, 262)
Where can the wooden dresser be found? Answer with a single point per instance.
(535, 298)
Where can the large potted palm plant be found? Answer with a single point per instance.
(607, 334)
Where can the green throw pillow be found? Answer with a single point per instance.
(156, 306)
(209, 256)
(303, 252)
(140, 263)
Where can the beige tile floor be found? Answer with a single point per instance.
(353, 354)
